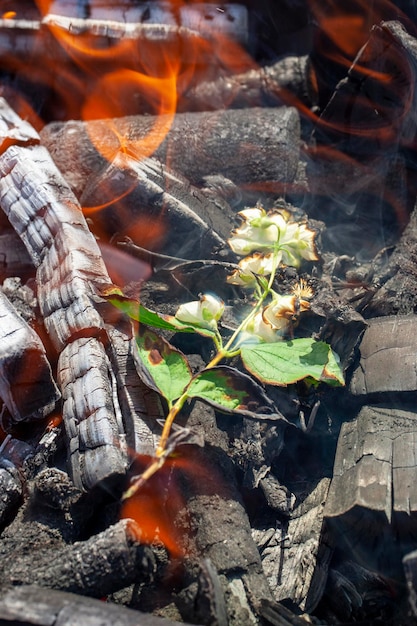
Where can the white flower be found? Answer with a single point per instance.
(267, 232)
(260, 231)
(205, 312)
(284, 310)
(298, 244)
(252, 266)
(258, 330)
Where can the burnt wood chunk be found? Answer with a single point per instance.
(183, 221)
(247, 146)
(32, 604)
(387, 356)
(272, 85)
(70, 274)
(296, 557)
(375, 463)
(92, 416)
(372, 502)
(410, 570)
(26, 384)
(397, 294)
(91, 567)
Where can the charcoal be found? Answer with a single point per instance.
(388, 357)
(410, 569)
(135, 192)
(295, 557)
(26, 384)
(284, 82)
(372, 494)
(92, 418)
(32, 604)
(14, 258)
(92, 567)
(248, 146)
(70, 273)
(395, 292)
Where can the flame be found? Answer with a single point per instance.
(160, 502)
(159, 507)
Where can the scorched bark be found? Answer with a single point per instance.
(70, 273)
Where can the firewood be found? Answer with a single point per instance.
(187, 223)
(248, 146)
(387, 357)
(26, 384)
(372, 493)
(295, 556)
(100, 565)
(284, 82)
(31, 604)
(70, 273)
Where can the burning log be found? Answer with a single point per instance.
(26, 384)
(284, 82)
(70, 272)
(248, 146)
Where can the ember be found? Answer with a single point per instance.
(135, 136)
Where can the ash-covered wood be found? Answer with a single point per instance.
(373, 485)
(31, 604)
(247, 146)
(387, 357)
(70, 272)
(26, 384)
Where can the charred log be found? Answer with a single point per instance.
(248, 146)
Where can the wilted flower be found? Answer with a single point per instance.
(205, 312)
(258, 329)
(269, 232)
(252, 266)
(285, 310)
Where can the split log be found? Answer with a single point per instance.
(373, 496)
(248, 146)
(29, 604)
(26, 384)
(70, 272)
(156, 208)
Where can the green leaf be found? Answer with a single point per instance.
(285, 362)
(136, 311)
(232, 391)
(166, 369)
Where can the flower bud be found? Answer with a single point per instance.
(204, 312)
